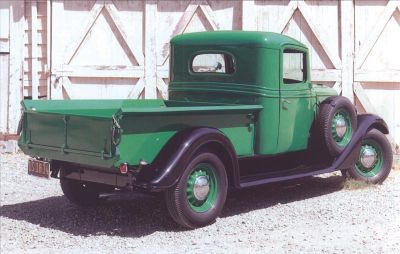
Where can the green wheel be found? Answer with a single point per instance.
(337, 122)
(200, 194)
(375, 159)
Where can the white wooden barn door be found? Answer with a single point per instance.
(119, 49)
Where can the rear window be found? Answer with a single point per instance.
(213, 63)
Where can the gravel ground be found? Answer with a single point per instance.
(314, 215)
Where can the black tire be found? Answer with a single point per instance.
(80, 193)
(331, 110)
(182, 205)
(381, 169)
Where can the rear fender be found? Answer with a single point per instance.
(167, 167)
(365, 123)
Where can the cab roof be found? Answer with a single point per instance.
(235, 38)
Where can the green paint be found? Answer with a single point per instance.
(208, 171)
(247, 106)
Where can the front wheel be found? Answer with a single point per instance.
(375, 160)
(200, 194)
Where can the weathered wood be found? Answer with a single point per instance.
(150, 50)
(377, 76)
(376, 31)
(4, 64)
(34, 55)
(16, 60)
(100, 71)
(347, 44)
(92, 16)
(110, 7)
(248, 17)
(319, 34)
(48, 38)
(291, 8)
(326, 75)
(363, 98)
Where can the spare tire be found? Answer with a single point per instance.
(337, 121)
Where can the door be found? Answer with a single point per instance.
(296, 103)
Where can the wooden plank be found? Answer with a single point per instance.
(138, 55)
(162, 88)
(375, 33)
(16, 62)
(4, 86)
(183, 23)
(347, 26)
(291, 8)
(363, 98)
(208, 13)
(326, 75)
(48, 38)
(338, 87)
(4, 64)
(137, 90)
(34, 50)
(377, 76)
(150, 50)
(100, 71)
(92, 17)
(248, 17)
(163, 71)
(319, 35)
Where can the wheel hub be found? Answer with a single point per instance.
(340, 127)
(201, 188)
(368, 156)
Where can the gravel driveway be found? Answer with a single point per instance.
(314, 215)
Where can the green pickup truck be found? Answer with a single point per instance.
(241, 112)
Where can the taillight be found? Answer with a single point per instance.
(123, 168)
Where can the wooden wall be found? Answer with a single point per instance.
(119, 49)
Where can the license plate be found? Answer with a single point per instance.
(39, 168)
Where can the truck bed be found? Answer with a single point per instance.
(105, 133)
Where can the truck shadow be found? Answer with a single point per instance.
(136, 215)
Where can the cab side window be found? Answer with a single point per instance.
(294, 66)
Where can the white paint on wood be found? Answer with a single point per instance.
(376, 31)
(34, 56)
(4, 85)
(150, 50)
(16, 61)
(347, 43)
(377, 76)
(100, 71)
(248, 17)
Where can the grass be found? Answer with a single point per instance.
(350, 184)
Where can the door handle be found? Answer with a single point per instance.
(285, 101)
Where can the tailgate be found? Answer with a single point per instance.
(69, 133)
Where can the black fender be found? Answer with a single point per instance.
(166, 169)
(351, 152)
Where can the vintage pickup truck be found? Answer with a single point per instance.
(241, 112)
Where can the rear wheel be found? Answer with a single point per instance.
(80, 193)
(200, 194)
(375, 160)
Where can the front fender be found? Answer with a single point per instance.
(167, 168)
(350, 154)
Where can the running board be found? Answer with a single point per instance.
(259, 179)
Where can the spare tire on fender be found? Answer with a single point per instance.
(337, 121)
